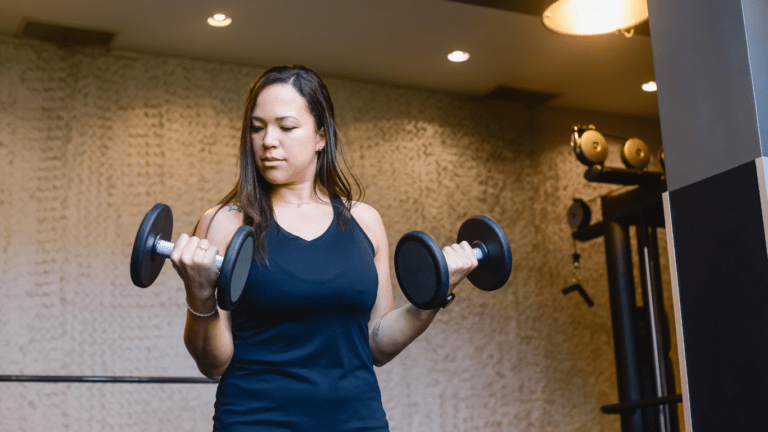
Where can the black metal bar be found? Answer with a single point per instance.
(589, 233)
(106, 379)
(627, 205)
(654, 311)
(580, 289)
(623, 176)
(633, 405)
(624, 207)
(653, 249)
(622, 296)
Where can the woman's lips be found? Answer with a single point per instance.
(271, 161)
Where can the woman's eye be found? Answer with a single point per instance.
(256, 129)
(287, 128)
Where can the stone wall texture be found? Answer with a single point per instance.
(90, 140)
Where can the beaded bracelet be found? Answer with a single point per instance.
(199, 314)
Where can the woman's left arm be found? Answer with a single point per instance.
(391, 330)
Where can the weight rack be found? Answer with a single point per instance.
(641, 334)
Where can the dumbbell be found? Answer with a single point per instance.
(589, 145)
(635, 154)
(591, 148)
(422, 271)
(151, 248)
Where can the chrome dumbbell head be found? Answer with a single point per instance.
(589, 145)
(635, 154)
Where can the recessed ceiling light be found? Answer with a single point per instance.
(458, 56)
(219, 20)
(650, 86)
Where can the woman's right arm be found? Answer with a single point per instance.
(207, 338)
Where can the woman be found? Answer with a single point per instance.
(297, 352)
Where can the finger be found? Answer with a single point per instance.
(208, 249)
(203, 252)
(190, 249)
(452, 249)
(461, 256)
(455, 259)
(202, 249)
(458, 250)
(467, 248)
(178, 247)
(210, 256)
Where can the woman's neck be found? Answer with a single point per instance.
(298, 195)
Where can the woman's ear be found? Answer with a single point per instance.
(320, 140)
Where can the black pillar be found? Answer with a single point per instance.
(711, 63)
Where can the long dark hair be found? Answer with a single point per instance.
(252, 192)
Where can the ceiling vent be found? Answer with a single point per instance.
(63, 35)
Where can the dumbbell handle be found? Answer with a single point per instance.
(480, 252)
(164, 249)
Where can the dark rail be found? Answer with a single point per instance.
(626, 406)
(106, 379)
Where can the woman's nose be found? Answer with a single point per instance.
(270, 137)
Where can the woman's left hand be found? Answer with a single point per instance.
(461, 261)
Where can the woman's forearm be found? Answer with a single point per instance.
(396, 330)
(209, 342)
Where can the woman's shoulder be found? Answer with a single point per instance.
(365, 212)
(370, 221)
(220, 221)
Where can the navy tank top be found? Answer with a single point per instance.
(302, 359)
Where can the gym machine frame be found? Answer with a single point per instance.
(641, 334)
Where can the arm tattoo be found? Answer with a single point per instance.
(376, 330)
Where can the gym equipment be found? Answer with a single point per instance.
(590, 146)
(641, 333)
(422, 271)
(580, 289)
(579, 214)
(151, 248)
(661, 160)
(625, 176)
(635, 154)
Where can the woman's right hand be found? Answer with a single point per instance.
(194, 261)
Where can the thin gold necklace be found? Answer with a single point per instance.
(298, 205)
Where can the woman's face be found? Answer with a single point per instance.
(285, 140)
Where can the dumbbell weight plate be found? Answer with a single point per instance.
(235, 268)
(145, 263)
(495, 269)
(421, 270)
(579, 214)
(591, 148)
(635, 154)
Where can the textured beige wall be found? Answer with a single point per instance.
(89, 141)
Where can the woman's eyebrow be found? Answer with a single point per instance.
(278, 118)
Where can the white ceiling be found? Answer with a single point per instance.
(398, 42)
